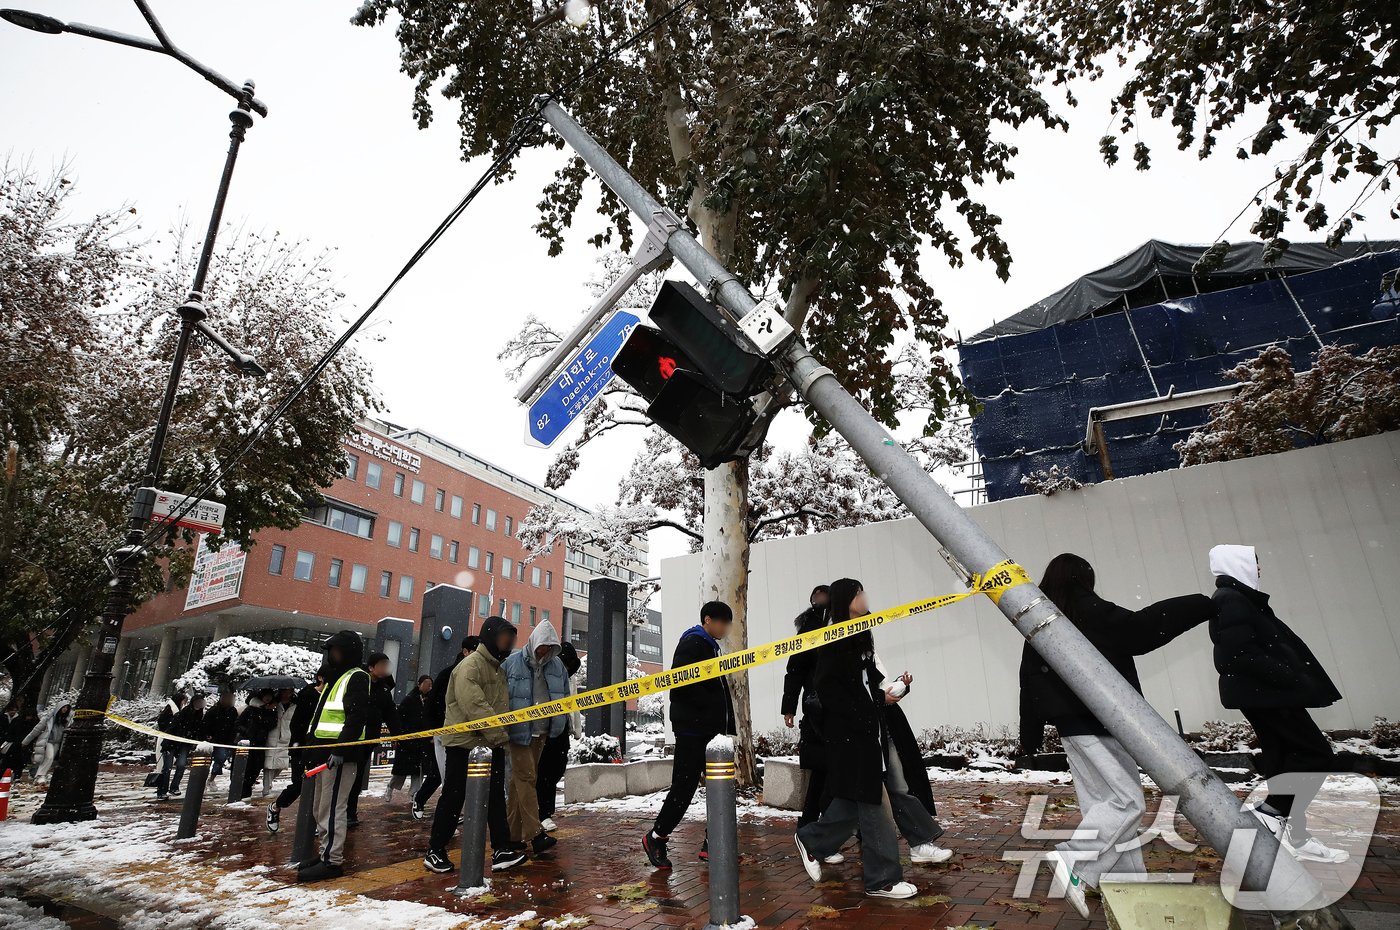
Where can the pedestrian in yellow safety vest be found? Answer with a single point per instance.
(340, 717)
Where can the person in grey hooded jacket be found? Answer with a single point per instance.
(534, 675)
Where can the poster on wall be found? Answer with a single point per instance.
(217, 574)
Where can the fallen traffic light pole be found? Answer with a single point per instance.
(1204, 799)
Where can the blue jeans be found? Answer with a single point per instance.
(172, 758)
(220, 757)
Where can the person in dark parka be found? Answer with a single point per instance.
(221, 726)
(255, 724)
(383, 715)
(800, 693)
(435, 709)
(409, 755)
(699, 712)
(1271, 676)
(1106, 778)
(863, 766)
(342, 711)
(303, 710)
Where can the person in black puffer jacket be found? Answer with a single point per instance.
(1271, 676)
(410, 755)
(1106, 778)
(383, 715)
(699, 713)
(221, 726)
(303, 709)
(255, 723)
(800, 692)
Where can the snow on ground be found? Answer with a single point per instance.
(132, 873)
(997, 776)
(749, 809)
(15, 914)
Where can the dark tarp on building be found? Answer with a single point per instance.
(1157, 271)
(1036, 387)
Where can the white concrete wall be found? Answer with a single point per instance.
(1326, 522)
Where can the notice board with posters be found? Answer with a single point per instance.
(217, 574)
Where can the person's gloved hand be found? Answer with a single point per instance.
(5, 747)
(334, 761)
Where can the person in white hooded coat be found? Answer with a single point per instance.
(1270, 676)
(534, 675)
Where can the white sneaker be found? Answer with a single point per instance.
(1313, 851)
(898, 890)
(813, 867)
(1068, 884)
(1271, 823)
(548, 825)
(834, 859)
(930, 852)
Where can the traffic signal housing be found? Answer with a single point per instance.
(722, 354)
(716, 426)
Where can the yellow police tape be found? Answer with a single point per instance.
(999, 579)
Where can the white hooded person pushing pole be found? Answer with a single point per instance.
(1270, 675)
(341, 714)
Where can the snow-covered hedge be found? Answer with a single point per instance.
(604, 748)
(228, 662)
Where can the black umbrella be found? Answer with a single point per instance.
(275, 682)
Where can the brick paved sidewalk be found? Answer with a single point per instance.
(598, 870)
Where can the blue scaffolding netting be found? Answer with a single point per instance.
(1037, 386)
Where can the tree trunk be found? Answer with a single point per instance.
(724, 576)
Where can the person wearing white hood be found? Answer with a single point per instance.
(1271, 676)
(534, 675)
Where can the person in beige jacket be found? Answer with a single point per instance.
(477, 689)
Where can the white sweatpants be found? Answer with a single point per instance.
(1111, 803)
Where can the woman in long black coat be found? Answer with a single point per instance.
(862, 765)
(800, 693)
(409, 755)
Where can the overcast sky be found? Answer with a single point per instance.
(340, 163)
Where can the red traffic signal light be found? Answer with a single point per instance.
(667, 365)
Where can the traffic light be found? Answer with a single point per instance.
(717, 427)
(721, 352)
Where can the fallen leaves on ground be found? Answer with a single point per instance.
(633, 892)
(1030, 907)
(927, 900)
(822, 912)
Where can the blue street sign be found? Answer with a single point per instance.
(579, 382)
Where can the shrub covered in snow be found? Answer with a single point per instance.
(603, 748)
(228, 662)
(1223, 736)
(1384, 734)
(776, 743)
(1051, 481)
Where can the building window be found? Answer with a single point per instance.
(456, 510)
(502, 611)
(473, 557)
(342, 517)
(490, 519)
(520, 572)
(490, 562)
(435, 546)
(535, 577)
(405, 587)
(419, 489)
(506, 567)
(533, 618)
(439, 500)
(373, 472)
(514, 613)
(352, 466)
(544, 615)
(334, 578)
(413, 539)
(510, 527)
(386, 580)
(279, 555)
(476, 514)
(574, 586)
(358, 574)
(549, 581)
(306, 564)
(395, 535)
(452, 548)
(483, 607)
(649, 650)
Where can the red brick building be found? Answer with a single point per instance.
(410, 513)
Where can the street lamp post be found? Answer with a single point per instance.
(70, 796)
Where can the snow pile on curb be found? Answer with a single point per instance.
(133, 874)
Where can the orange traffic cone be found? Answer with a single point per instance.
(5, 794)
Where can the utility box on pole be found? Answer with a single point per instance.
(607, 655)
(447, 618)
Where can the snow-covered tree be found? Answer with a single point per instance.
(1343, 396)
(87, 329)
(230, 661)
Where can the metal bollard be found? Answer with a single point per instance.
(196, 779)
(722, 820)
(304, 842)
(473, 873)
(237, 769)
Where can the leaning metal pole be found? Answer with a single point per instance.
(1203, 798)
(75, 772)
